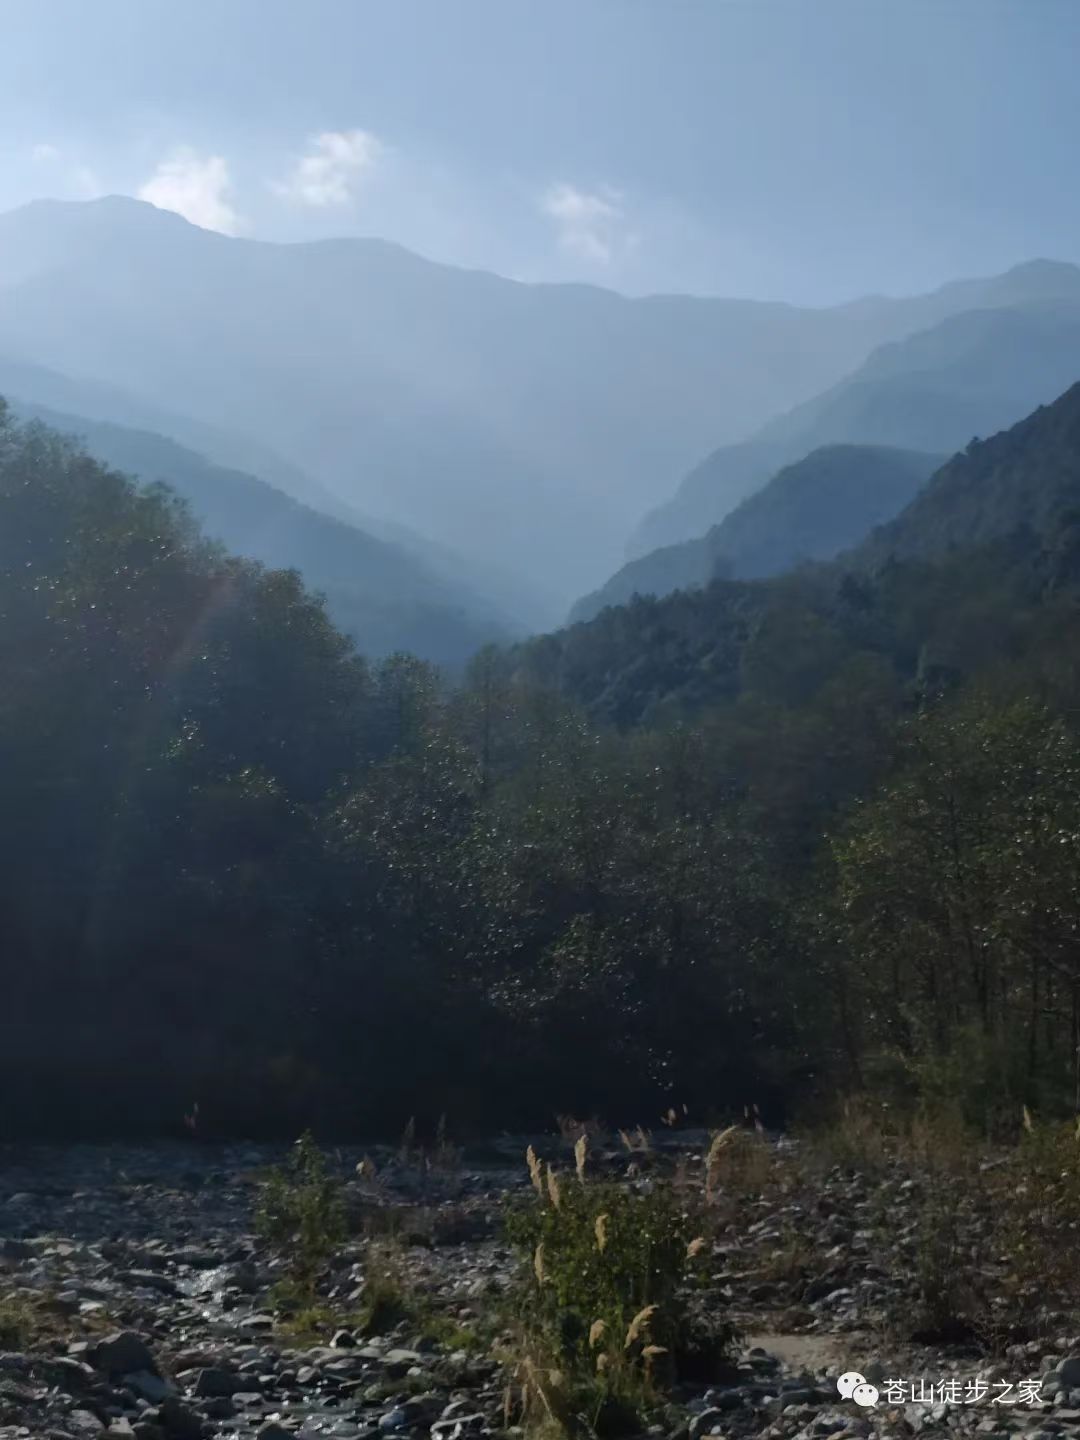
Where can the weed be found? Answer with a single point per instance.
(739, 1162)
(301, 1215)
(603, 1318)
(384, 1301)
(16, 1321)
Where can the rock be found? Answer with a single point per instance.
(800, 1395)
(395, 1419)
(219, 1407)
(82, 1422)
(151, 1280)
(421, 1408)
(452, 1426)
(273, 1431)
(73, 1374)
(150, 1386)
(458, 1409)
(122, 1353)
(706, 1422)
(400, 1362)
(178, 1422)
(1068, 1372)
(343, 1340)
(215, 1381)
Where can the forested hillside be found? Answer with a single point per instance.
(384, 598)
(811, 510)
(970, 375)
(252, 870)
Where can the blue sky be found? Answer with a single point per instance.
(807, 150)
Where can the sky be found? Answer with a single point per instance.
(802, 150)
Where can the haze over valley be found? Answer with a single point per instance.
(539, 630)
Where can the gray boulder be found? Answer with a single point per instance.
(122, 1353)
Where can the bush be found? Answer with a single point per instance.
(601, 1297)
(301, 1215)
(16, 1322)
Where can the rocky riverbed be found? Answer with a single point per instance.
(146, 1292)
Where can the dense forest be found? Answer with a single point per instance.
(755, 843)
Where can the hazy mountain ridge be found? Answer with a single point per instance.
(376, 592)
(957, 579)
(1024, 480)
(811, 510)
(973, 373)
(531, 423)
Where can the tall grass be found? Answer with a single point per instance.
(602, 1319)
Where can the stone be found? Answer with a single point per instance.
(451, 1427)
(122, 1353)
(705, 1423)
(343, 1340)
(273, 1431)
(82, 1422)
(151, 1280)
(149, 1385)
(1068, 1372)
(215, 1381)
(178, 1422)
(800, 1395)
(399, 1362)
(219, 1407)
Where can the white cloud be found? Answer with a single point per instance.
(590, 224)
(44, 154)
(195, 187)
(329, 172)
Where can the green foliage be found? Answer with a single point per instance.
(1037, 1218)
(379, 593)
(301, 1215)
(831, 838)
(16, 1322)
(959, 905)
(602, 1296)
(385, 1300)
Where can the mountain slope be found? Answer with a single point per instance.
(376, 592)
(35, 385)
(811, 510)
(972, 374)
(982, 566)
(531, 423)
(1025, 479)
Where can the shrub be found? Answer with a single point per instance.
(603, 1314)
(16, 1322)
(384, 1301)
(301, 1215)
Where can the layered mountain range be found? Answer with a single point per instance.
(516, 433)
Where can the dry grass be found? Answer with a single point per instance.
(607, 1271)
(738, 1162)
